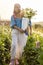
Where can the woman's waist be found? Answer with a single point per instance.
(15, 31)
(17, 26)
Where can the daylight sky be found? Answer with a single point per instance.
(6, 8)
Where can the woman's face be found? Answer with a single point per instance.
(17, 8)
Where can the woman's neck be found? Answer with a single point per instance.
(17, 15)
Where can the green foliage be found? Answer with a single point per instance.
(30, 54)
(5, 42)
(40, 59)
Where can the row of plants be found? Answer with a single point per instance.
(5, 44)
(31, 54)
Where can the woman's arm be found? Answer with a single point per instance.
(13, 25)
(21, 30)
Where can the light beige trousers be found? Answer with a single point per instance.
(18, 43)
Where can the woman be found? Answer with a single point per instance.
(18, 36)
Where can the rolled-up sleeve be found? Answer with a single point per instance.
(12, 23)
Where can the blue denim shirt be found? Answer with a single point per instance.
(17, 22)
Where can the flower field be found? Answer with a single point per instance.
(31, 54)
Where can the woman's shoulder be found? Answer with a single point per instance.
(15, 17)
(12, 17)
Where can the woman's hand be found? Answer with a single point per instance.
(19, 29)
(22, 31)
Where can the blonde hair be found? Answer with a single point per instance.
(20, 11)
(17, 5)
